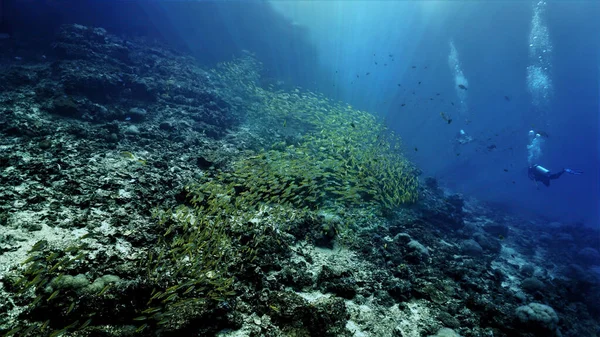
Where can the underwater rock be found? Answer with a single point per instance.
(496, 229)
(538, 318)
(564, 238)
(69, 282)
(45, 144)
(471, 247)
(143, 89)
(432, 184)
(417, 247)
(445, 332)
(295, 275)
(448, 214)
(589, 256)
(431, 293)
(19, 130)
(457, 202)
(8, 243)
(532, 285)
(402, 238)
(66, 107)
(399, 289)
(448, 320)
(545, 238)
(167, 126)
(325, 316)
(20, 76)
(325, 235)
(341, 283)
(527, 270)
(112, 138)
(131, 130)
(204, 163)
(137, 114)
(71, 44)
(489, 244)
(328, 318)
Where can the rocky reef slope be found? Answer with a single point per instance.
(132, 188)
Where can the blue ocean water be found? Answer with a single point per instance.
(480, 93)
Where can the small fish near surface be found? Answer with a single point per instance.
(460, 86)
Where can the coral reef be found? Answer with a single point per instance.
(145, 196)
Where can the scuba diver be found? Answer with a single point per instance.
(463, 138)
(539, 173)
(535, 171)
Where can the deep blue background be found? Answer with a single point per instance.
(325, 45)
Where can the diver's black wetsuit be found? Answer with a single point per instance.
(539, 175)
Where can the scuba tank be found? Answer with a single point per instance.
(541, 170)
